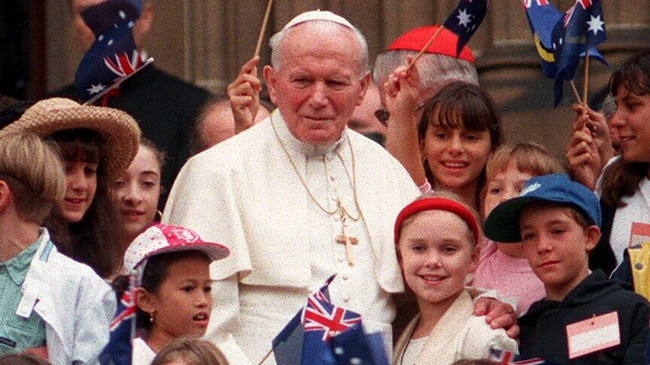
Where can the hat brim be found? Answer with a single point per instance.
(119, 131)
(214, 251)
(502, 224)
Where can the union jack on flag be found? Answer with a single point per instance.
(114, 56)
(321, 315)
(325, 334)
(118, 350)
(529, 3)
(509, 358)
(126, 310)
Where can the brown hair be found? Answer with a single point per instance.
(462, 105)
(22, 359)
(93, 240)
(529, 157)
(160, 156)
(622, 178)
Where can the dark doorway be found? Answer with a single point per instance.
(22, 46)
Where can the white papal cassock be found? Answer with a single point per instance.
(259, 194)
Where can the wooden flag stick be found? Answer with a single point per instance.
(586, 80)
(263, 29)
(575, 91)
(433, 37)
(268, 353)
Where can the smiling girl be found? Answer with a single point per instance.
(624, 185)
(97, 144)
(436, 238)
(136, 193)
(443, 143)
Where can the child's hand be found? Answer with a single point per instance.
(401, 91)
(40, 352)
(244, 95)
(590, 146)
(497, 315)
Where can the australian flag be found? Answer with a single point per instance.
(465, 20)
(325, 334)
(580, 30)
(113, 57)
(508, 358)
(542, 17)
(119, 348)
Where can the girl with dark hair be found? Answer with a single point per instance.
(97, 145)
(136, 193)
(444, 142)
(173, 286)
(624, 183)
(458, 130)
(82, 223)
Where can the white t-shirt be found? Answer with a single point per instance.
(637, 209)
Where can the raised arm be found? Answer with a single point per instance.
(401, 98)
(244, 95)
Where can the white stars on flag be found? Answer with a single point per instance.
(595, 24)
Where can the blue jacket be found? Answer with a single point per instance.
(543, 327)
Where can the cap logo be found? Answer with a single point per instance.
(183, 235)
(530, 188)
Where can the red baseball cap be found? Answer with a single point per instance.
(444, 43)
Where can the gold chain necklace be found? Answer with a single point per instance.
(342, 238)
(339, 206)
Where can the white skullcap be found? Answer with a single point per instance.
(318, 15)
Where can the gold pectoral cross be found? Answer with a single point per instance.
(346, 240)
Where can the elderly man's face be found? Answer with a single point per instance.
(318, 83)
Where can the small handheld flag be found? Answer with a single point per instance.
(579, 31)
(542, 17)
(325, 334)
(465, 20)
(508, 358)
(118, 351)
(114, 56)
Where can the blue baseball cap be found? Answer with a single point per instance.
(502, 225)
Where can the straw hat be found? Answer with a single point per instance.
(119, 131)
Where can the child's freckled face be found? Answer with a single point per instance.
(436, 255)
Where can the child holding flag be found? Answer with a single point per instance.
(173, 293)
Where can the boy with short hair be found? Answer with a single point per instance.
(50, 305)
(585, 318)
